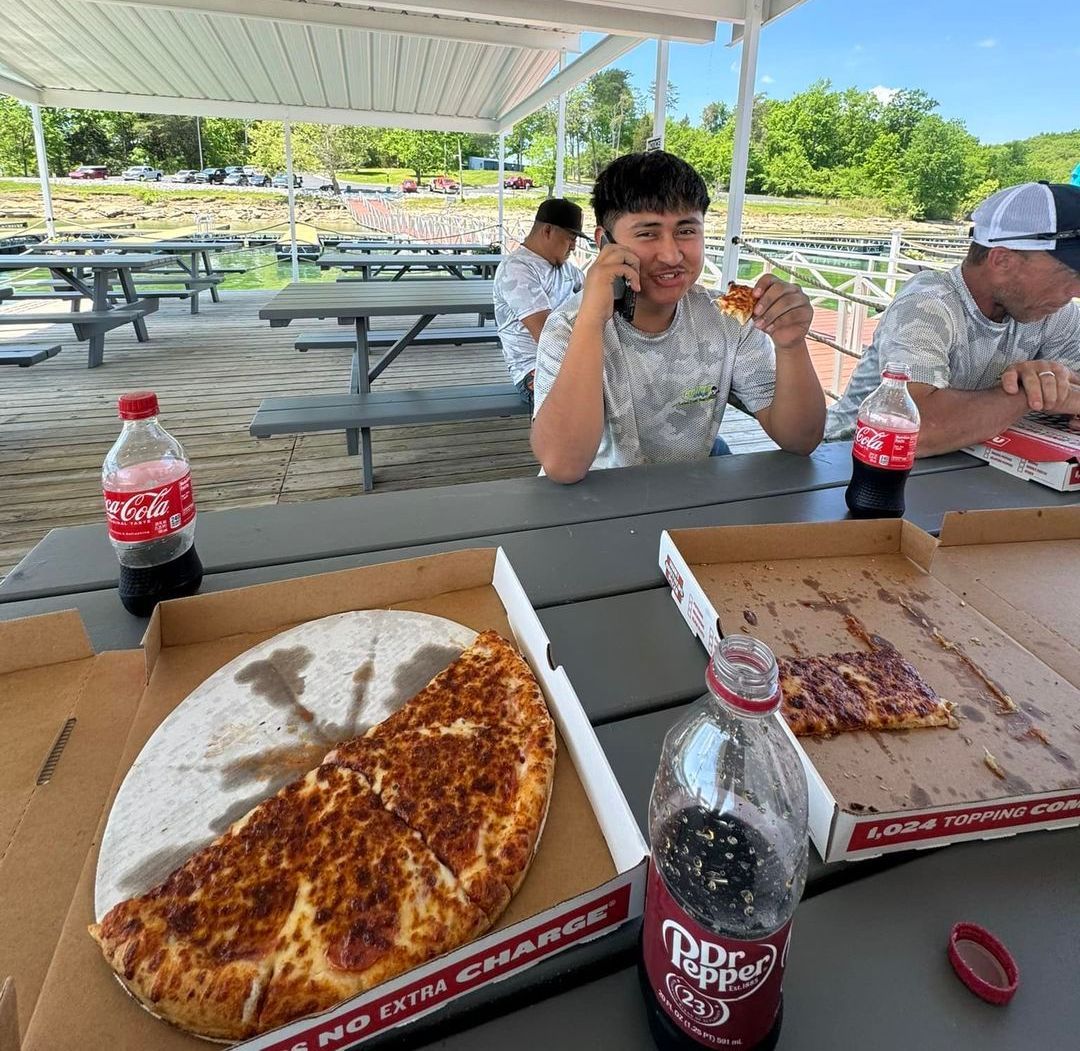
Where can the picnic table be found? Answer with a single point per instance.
(191, 257)
(369, 266)
(357, 304)
(395, 247)
(587, 557)
(73, 271)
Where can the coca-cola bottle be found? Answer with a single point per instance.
(150, 508)
(884, 449)
(727, 823)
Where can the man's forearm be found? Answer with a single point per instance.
(952, 419)
(796, 418)
(569, 425)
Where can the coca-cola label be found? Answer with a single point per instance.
(151, 513)
(722, 992)
(894, 450)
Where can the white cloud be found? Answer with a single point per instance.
(766, 79)
(735, 67)
(883, 94)
(987, 42)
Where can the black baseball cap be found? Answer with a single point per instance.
(1032, 217)
(563, 213)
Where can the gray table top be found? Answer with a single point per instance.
(587, 556)
(124, 247)
(101, 261)
(410, 246)
(867, 966)
(80, 558)
(375, 299)
(416, 261)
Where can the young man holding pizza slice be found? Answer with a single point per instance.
(617, 386)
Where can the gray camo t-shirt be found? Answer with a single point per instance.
(526, 283)
(935, 327)
(665, 393)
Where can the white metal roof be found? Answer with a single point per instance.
(462, 65)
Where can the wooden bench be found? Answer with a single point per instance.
(26, 354)
(430, 337)
(384, 408)
(90, 324)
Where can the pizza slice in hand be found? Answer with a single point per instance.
(878, 690)
(738, 302)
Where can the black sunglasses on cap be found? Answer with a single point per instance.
(1059, 235)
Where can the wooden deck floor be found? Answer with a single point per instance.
(58, 419)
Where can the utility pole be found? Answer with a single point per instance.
(198, 136)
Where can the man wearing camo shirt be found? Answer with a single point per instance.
(612, 392)
(531, 282)
(993, 338)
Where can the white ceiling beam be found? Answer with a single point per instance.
(586, 16)
(774, 9)
(369, 20)
(266, 111)
(19, 90)
(596, 58)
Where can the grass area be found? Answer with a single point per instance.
(393, 177)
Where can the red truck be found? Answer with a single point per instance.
(444, 184)
(518, 182)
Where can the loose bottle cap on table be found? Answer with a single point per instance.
(138, 405)
(982, 963)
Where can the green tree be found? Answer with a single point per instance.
(905, 111)
(715, 115)
(933, 168)
(16, 138)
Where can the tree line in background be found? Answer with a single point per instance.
(821, 142)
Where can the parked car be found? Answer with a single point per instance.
(88, 171)
(185, 175)
(212, 175)
(281, 182)
(444, 184)
(255, 176)
(236, 177)
(518, 182)
(409, 186)
(141, 173)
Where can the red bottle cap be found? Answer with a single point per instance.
(138, 405)
(982, 963)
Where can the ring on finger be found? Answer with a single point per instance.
(1047, 372)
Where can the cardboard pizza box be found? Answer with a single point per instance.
(1040, 448)
(586, 879)
(985, 614)
(64, 716)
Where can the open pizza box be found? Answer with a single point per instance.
(586, 879)
(986, 614)
(1040, 448)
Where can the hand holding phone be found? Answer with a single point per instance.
(625, 296)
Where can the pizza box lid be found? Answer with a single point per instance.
(591, 843)
(1039, 437)
(64, 715)
(980, 613)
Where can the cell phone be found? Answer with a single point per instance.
(625, 296)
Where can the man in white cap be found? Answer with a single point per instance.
(991, 339)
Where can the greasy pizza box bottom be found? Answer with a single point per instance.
(586, 879)
(986, 614)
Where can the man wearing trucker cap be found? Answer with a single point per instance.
(991, 339)
(531, 282)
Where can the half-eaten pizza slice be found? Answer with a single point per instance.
(738, 301)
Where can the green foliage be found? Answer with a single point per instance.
(845, 145)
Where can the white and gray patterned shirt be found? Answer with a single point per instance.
(935, 327)
(525, 284)
(665, 393)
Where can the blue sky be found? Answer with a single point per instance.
(1007, 70)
